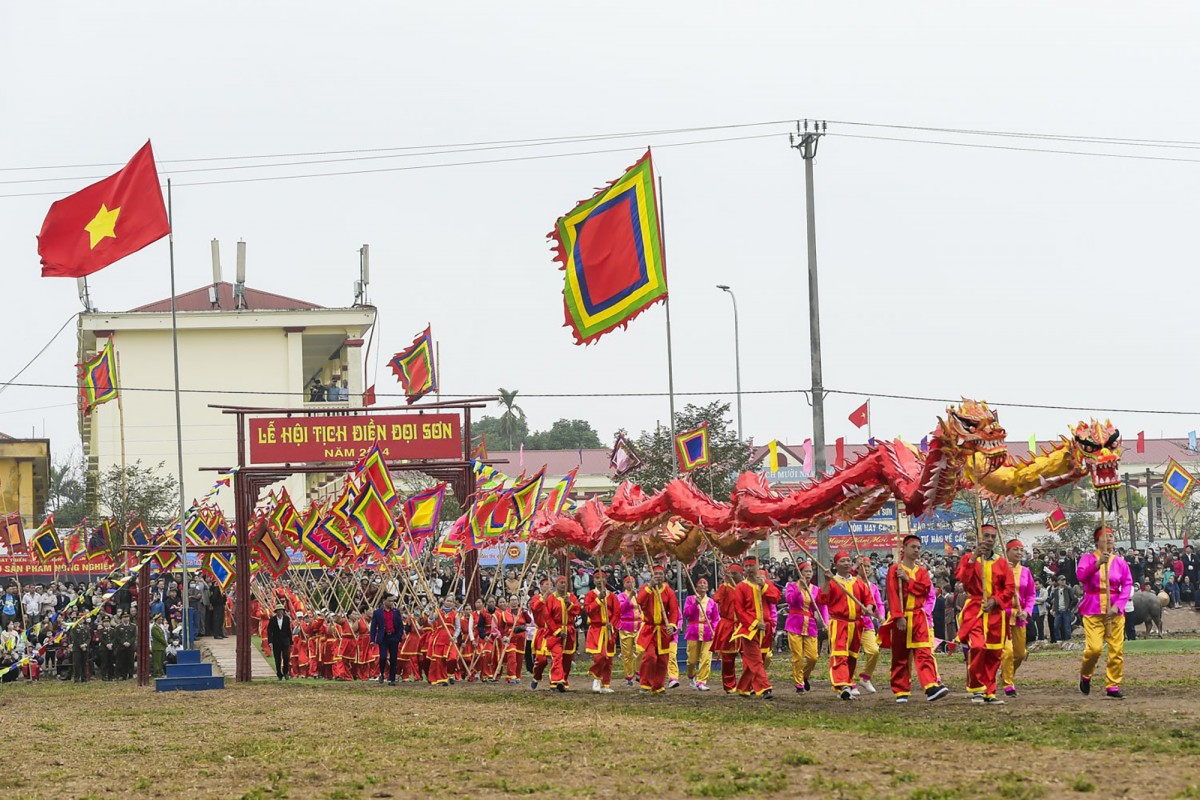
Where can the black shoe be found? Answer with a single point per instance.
(1114, 694)
(1011, 691)
(767, 695)
(278, 677)
(936, 692)
(845, 694)
(807, 686)
(799, 690)
(392, 682)
(1085, 685)
(560, 687)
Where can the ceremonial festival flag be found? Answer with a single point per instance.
(481, 449)
(839, 452)
(74, 545)
(316, 541)
(14, 533)
(861, 415)
(924, 444)
(525, 499)
(559, 497)
(97, 379)
(807, 466)
(414, 367)
(97, 540)
(220, 567)
(374, 519)
(1033, 443)
(284, 519)
(105, 222)
(423, 510)
(773, 460)
(1178, 482)
(272, 554)
(45, 541)
(369, 397)
(137, 534)
(373, 469)
(1056, 520)
(623, 459)
(611, 252)
(692, 447)
(1141, 442)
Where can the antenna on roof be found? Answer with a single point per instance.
(239, 288)
(213, 298)
(84, 297)
(364, 275)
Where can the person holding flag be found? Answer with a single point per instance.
(660, 624)
(753, 596)
(848, 600)
(988, 582)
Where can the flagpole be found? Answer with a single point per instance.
(121, 420)
(662, 238)
(178, 421)
(869, 436)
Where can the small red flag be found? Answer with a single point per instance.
(105, 222)
(839, 452)
(1141, 443)
(369, 397)
(861, 415)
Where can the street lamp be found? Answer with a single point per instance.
(737, 355)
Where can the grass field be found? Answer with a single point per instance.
(314, 739)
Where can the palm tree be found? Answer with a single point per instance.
(512, 416)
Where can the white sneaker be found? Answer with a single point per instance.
(702, 687)
(596, 686)
(672, 684)
(866, 686)
(854, 692)
(606, 690)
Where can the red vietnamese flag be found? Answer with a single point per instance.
(105, 222)
(860, 415)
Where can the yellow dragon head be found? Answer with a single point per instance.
(1096, 449)
(973, 427)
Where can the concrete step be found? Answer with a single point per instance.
(189, 670)
(188, 684)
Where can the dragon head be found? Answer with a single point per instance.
(1097, 449)
(974, 427)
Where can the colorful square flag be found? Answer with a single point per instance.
(423, 510)
(373, 469)
(219, 566)
(374, 519)
(1178, 482)
(624, 458)
(316, 541)
(74, 546)
(692, 447)
(45, 541)
(414, 367)
(559, 498)
(525, 498)
(284, 519)
(271, 552)
(97, 379)
(481, 449)
(14, 533)
(1056, 520)
(137, 534)
(610, 249)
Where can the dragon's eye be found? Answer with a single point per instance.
(966, 423)
(1112, 440)
(1088, 445)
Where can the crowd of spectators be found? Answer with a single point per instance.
(102, 645)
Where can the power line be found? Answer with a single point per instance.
(1027, 135)
(617, 395)
(1014, 148)
(37, 355)
(476, 162)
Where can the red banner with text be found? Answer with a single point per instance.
(409, 437)
(28, 565)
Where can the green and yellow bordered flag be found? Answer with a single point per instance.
(97, 379)
(610, 248)
(45, 541)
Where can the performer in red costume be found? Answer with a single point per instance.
(660, 624)
(752, 597)
(723, 641)
(562, 608)
(988, 582)
(603, 613)
(442, 649)
(907, 629)
(848, 600)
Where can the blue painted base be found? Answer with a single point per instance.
(189, 675)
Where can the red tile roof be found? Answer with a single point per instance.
(557, 462)
(256, 300)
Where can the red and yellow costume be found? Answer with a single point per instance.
(603, 616)
(316, 639)
(560, 643)
(660, 609)
(442, 649)
(845, 624)
(906, 601)
(410, 649)
(723, 641)
(259, 612)
(331, 647)
(752, 632)
(344, 663)
(299, 661)
(984, 631)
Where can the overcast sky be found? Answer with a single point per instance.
(1017, 277)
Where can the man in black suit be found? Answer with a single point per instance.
(279, 636)
(387, 629)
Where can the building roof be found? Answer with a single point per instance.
(256, 300)
(557, 462)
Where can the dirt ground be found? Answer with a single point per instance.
(313, 739)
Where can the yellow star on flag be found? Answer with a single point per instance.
(102, 225)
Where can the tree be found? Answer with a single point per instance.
(513, 418)
(491, 428)
(730, 455)
(565, 434)
(148, 494)
(67, 497)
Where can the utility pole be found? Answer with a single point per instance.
(1149, 509)
(1132, 516)
(805, 140)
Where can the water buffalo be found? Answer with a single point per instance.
(1147, 609)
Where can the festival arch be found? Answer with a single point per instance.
(274, 444)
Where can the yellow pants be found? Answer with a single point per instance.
(1014, 655)
(870, 652)
(1097, 632)
(673, 660)
(629, 652)
(804, 656)
(699, 660)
